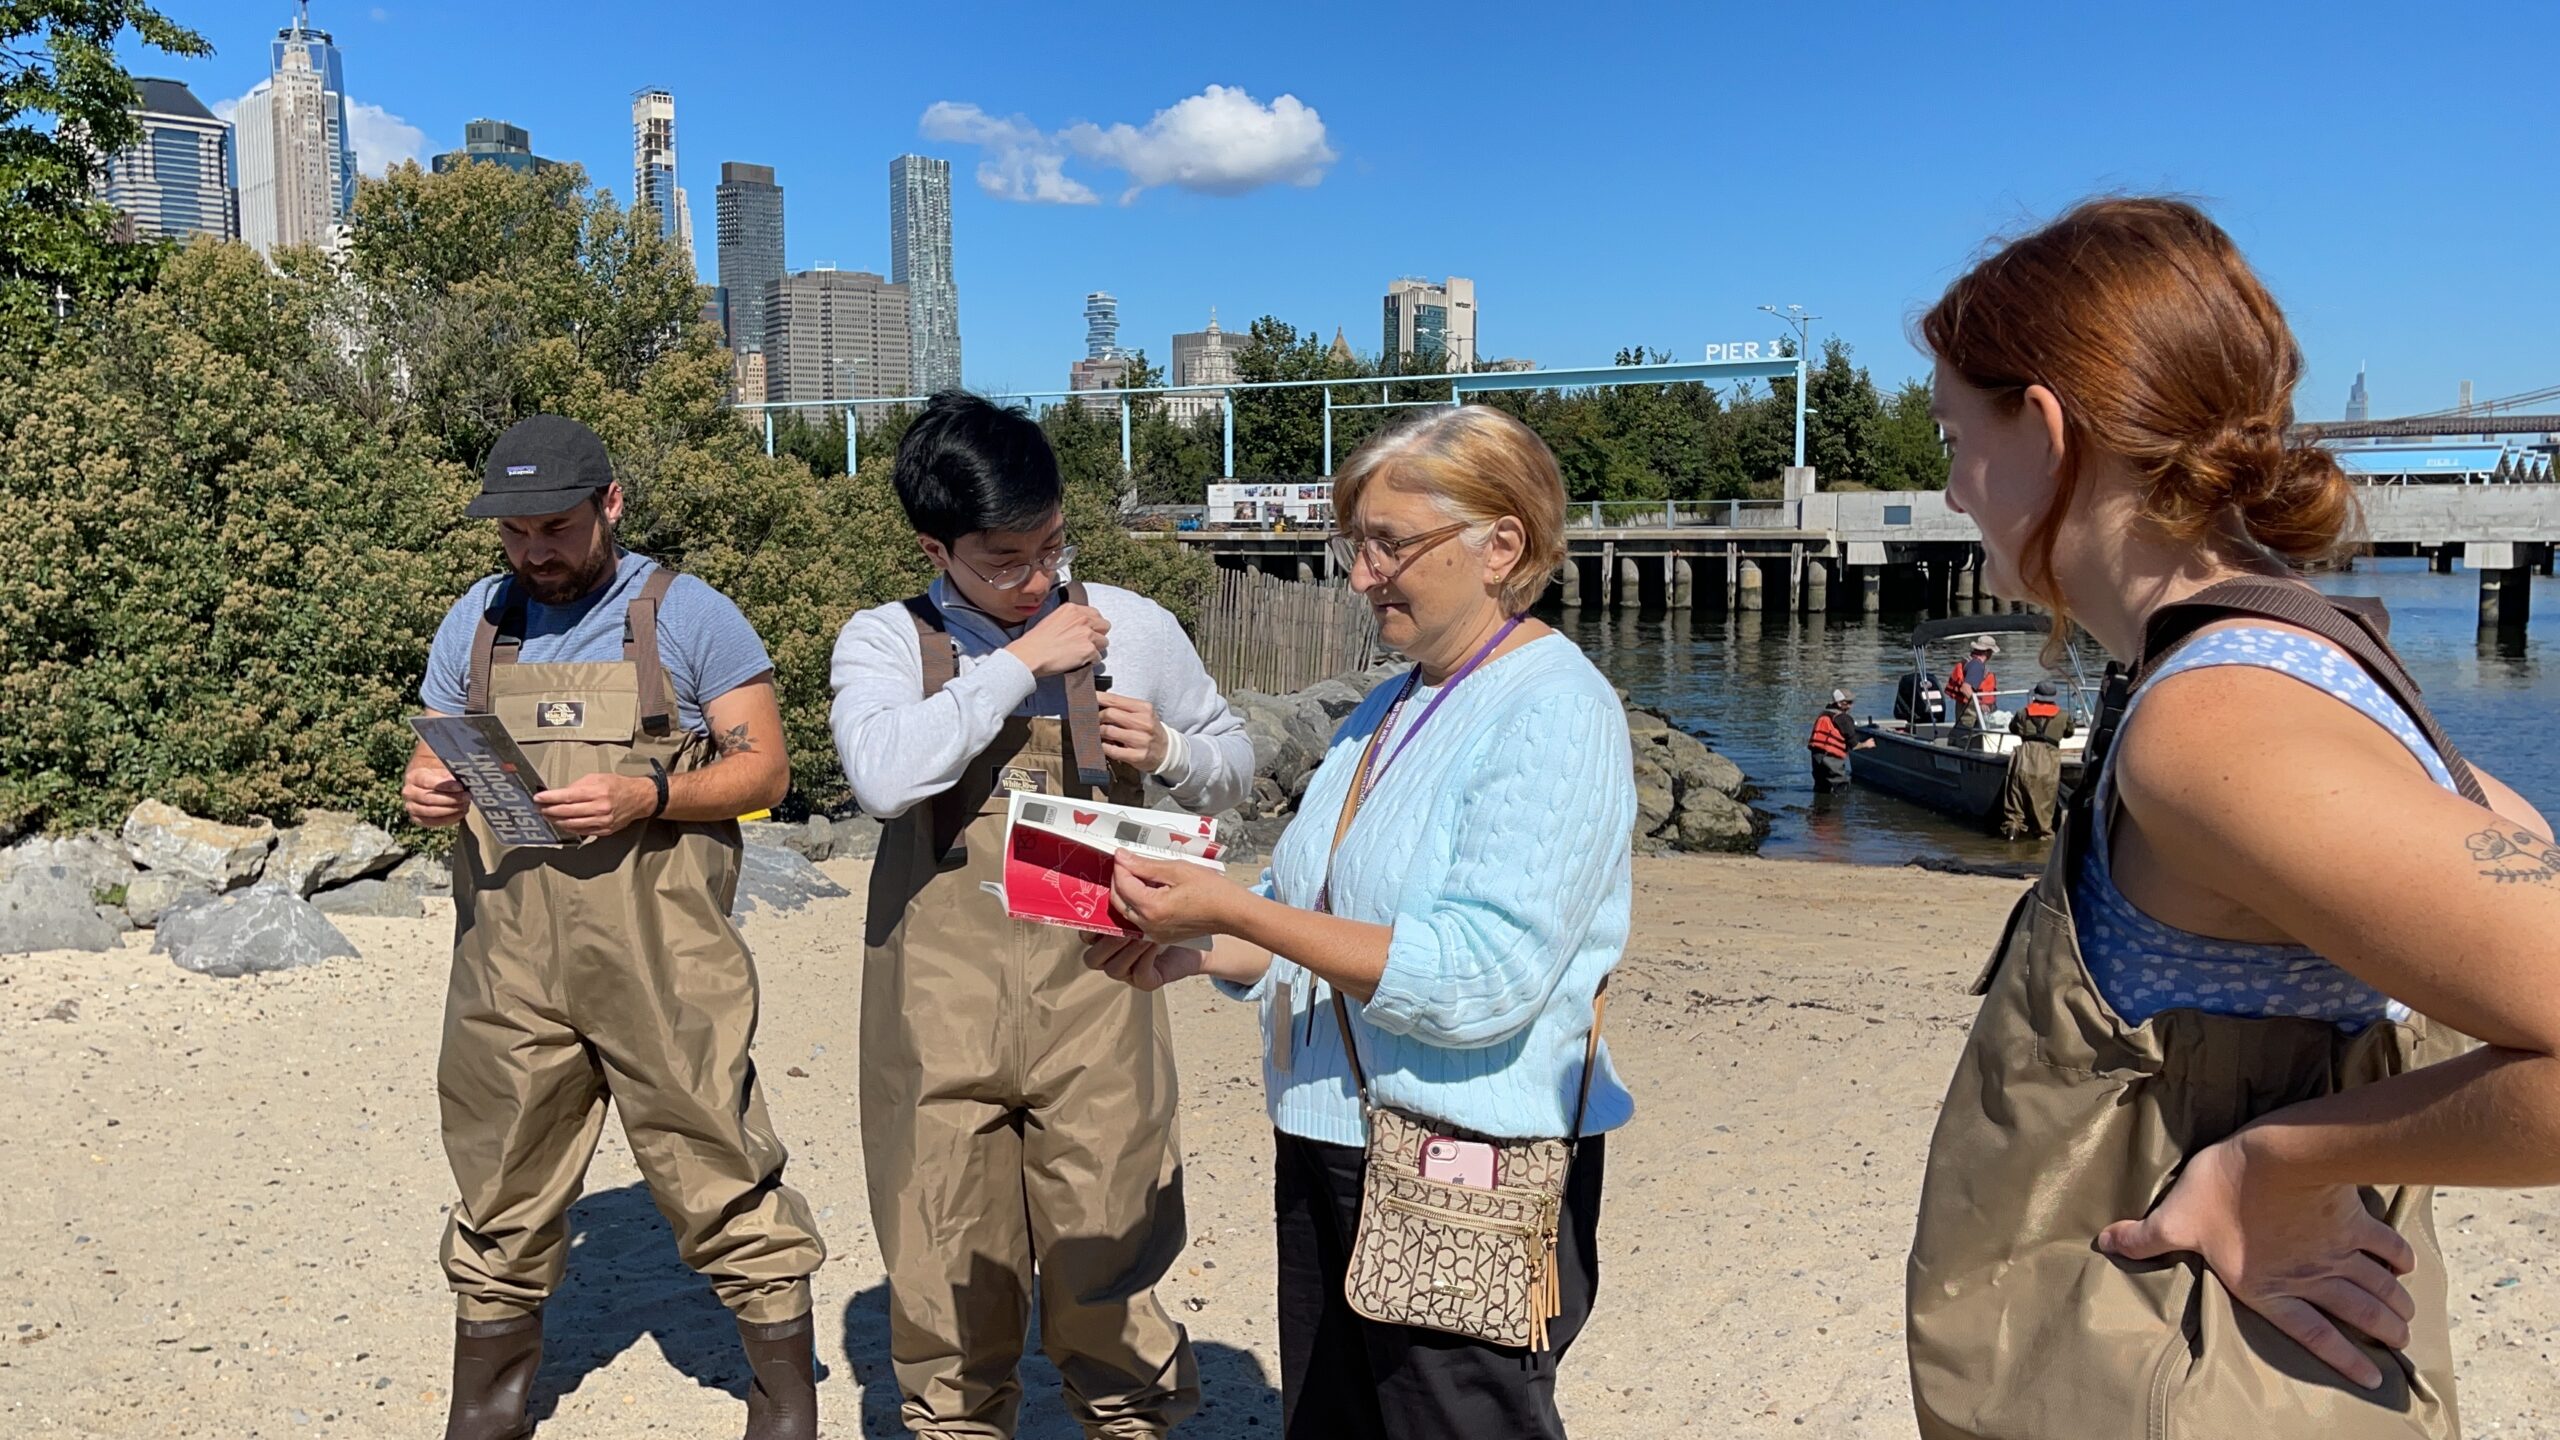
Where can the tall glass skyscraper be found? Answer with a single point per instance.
(288, 164)
(653, 166)
(338, 145)
(176, 181)
(494, 142)
(1101, 325)
(750, 249)
(920, 260)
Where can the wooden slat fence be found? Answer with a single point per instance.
(1259, 632)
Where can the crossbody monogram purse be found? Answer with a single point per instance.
(1469, 1260)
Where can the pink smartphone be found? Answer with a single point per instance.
(1452, 1161)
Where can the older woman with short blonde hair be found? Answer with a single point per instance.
(1469, 902)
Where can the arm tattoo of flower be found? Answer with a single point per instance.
(734, 741)
(2516, 857)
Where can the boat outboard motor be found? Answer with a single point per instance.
(1919, 701)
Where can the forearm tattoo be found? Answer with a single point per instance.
(734, 741)
(2513, 857)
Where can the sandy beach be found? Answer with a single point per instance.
(221, 1198)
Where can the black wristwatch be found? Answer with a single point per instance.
(658, 777)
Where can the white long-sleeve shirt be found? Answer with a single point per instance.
(899, 748)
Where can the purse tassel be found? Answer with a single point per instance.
(1546, 1298)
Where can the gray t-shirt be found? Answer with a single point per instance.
(708, 647)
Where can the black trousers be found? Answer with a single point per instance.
(1343, 1377)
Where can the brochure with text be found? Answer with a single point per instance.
(485, 758)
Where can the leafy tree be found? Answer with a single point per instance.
(1842, 430)
(1909, 453)
(65, 107)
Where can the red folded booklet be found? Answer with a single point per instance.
(1058, 856)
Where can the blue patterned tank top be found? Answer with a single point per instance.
(2143, 967)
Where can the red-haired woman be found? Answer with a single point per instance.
(2180, 1184)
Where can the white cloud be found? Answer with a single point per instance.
(380, 15)
(1219, 142)
(381, 139)
(1021, 163)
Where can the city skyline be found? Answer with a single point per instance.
(1861, 207)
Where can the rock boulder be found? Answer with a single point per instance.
(50, 908)
(249, 932)
(329, 848)
(163, 837)
(155, 893)
(777, 879)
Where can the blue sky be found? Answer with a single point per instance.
(1607, 174)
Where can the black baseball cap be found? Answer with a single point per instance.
(543, 465)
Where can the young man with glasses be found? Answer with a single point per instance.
(1015, 1104)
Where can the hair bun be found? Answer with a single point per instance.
(2241, 464)
(2307, 510)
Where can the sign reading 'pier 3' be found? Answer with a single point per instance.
(1747, 350)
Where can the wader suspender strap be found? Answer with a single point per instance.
(2354, 625)
(1084, 715)
(501, 637)
(1342, 1011)
(640, 647)
(941, 667)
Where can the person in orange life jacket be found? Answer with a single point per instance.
(2034, 788)
(1834, 736)
(1972, 676)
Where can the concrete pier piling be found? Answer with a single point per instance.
(1630, 585)
(1747, 596)
(2506, 583)
(1678, 583)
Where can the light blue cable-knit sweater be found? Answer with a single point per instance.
(1497, 848)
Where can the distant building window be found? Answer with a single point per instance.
(1897, 514)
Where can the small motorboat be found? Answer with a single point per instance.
(1953, 755)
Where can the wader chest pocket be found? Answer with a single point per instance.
(596, 717)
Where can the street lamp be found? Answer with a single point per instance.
(1795, 315)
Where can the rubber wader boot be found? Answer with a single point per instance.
(493, 1365)
(782, 1399)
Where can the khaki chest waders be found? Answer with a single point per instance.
(1018, 1111)
(2063, 1118)
(606, 971)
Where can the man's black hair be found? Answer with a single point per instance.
(969, 464)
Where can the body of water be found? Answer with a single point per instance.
(1751, 683)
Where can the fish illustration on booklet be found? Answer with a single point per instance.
(1058, 856)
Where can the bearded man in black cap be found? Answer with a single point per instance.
(607, 968)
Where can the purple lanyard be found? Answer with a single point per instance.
(1387, 727)
(1369, 775)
